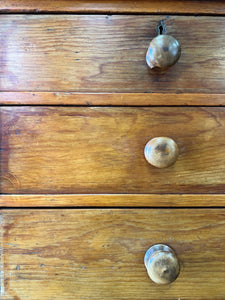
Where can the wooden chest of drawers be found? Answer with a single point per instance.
(80, 205)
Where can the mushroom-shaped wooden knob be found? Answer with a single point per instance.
(163, 52)
(162, 264)
(161, 152)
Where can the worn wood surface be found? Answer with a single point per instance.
(113, 200)
(114, 6)
(99, 254)
(99, 53)
(130, 99)
(101, 150)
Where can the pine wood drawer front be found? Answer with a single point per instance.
(101, 150)
(98, 254)
(100, 53)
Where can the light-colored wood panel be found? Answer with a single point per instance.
(114, 6)
(73, 150)
(130, 99)
(99, 53)
(98, 254)
(117, 200)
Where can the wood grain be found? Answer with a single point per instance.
(73, 150)
(100, 53)
(113, 200)
(98, 254)
(114, 6)
(129, 99)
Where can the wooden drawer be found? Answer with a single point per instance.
(98, 254)
(101, 150)
(101, 53)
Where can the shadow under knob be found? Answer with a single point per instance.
(161, 152)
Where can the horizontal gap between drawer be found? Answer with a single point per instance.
(106, 12)
(104, 105)
(107, 208)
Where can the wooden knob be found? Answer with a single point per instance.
(163, 52)
(161, 152)
(162, 264)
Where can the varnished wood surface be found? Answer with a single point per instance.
(113, 200)
(99, 254)
(114, 6)
(101, 150)
(130, 99)
(100, 53)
